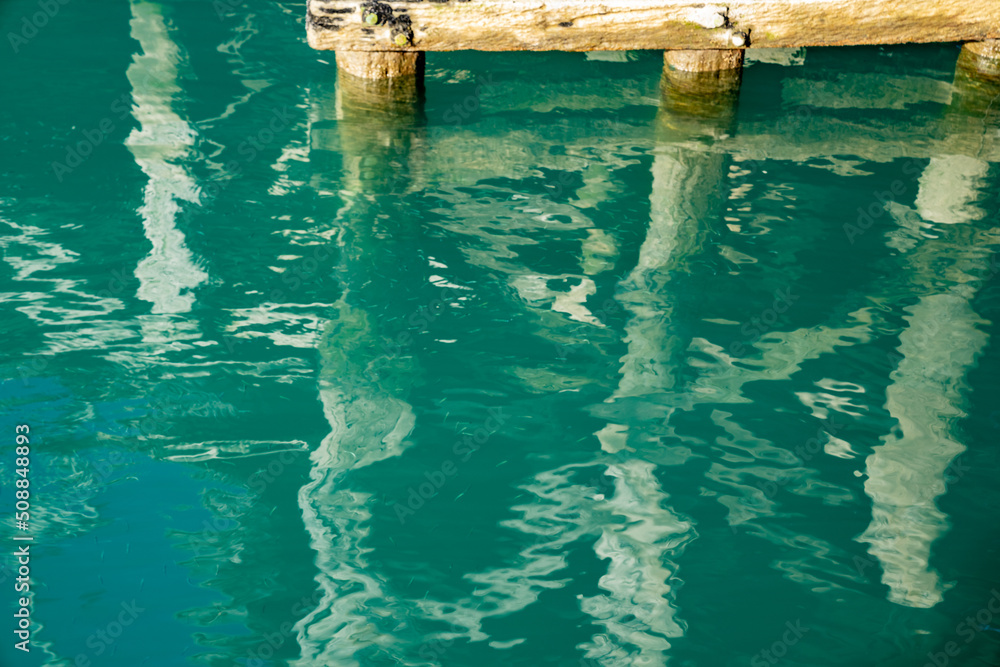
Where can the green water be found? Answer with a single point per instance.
(541, 374)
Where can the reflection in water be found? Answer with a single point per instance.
(82, 317)
(688, 186)
(379, 128)
(364, 379)
(948, 186)
(596, 286)
(33, 256)
(942, 341)
(559, 512)
(368, 424)
(908, 471)
(779, 355)
(636, 531)
(638, 610)
(168, 275)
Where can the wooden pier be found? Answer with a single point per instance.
(380, 52)
(383, 39)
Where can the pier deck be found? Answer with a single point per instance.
(608, 25)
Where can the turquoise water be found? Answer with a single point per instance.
(541, 374)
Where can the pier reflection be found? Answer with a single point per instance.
(637, 609)
(944, 258)
(368, 366)
(376, 127)
(596, 258)
(169, 275)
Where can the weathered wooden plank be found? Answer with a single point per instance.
(609, 25)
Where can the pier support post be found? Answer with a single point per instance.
(381, 64)
(701, 84)
(981, 57)
(974, 102)
(697, 104)
(951, 186)
(372, 127)
(381, 123)
(710, 60)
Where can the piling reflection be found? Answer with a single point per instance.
(909, 470)
(705, 101)
(980, 60)
(688, 188)
(945, 260)
(746, 469)
(377, 126)
(554, 307)
(369, 422)
(637, 610)
(589, 276)
(365, 373)
(169, 275)
(497, 228)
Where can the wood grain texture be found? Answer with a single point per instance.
(609, 25)
(381, 64)
(705, 60)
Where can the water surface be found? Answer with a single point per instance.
(545, 373)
